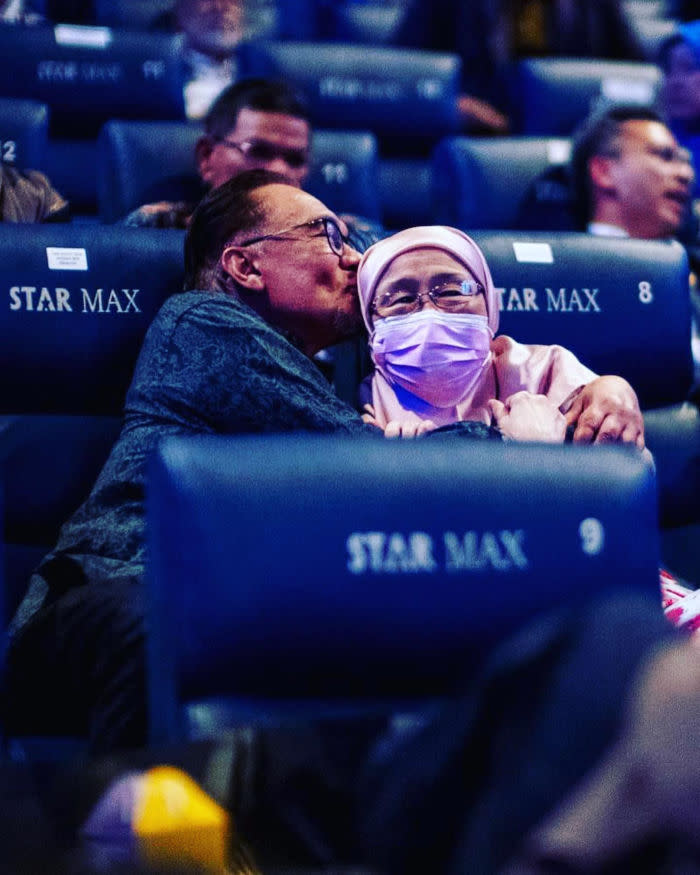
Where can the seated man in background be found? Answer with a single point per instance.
(630, 177)
(255, 124)
(211, 32)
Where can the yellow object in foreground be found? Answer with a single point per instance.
(177, 822)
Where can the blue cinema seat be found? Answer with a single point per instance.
(24, 132)
(550, 96)
(142, 162)
(89, 74)
(79, 301)
(622, 306)
(288, 577)
(403, 95)
(482, 183)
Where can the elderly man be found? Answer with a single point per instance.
(276, 280)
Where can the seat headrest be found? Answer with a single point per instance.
(312, 565)
(78, 302)
(24, 131)
(482, 183)
(550, 96)
(387, 90)
(88, 74)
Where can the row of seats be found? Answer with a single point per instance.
(79, 298)
(88, 75)
(381, 22)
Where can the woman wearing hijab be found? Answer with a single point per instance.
(431, 310)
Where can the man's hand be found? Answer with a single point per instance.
(528, 417)
(607, 411)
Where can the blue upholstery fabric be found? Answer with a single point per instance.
(80, 300)
(64, 373)
(550, 96)
(143, 162)
(24, 130)
(405, 192)
(316, 571)
(126, 74)
(390, 91)
(622, 306)
(140, 162)
(482, 183)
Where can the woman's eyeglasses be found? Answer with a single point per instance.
(456, 296)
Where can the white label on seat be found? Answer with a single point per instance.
(535, 253)
(628, 90)
(64, 258)
(82, 35)
(558, 151)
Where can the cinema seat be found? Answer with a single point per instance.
(80, 299)
(287, 581)
(404, 96)
(24, 131)
(622, 306)
(550, 96)
(143, 162)
(483, 182)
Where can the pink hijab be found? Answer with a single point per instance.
(510, 367)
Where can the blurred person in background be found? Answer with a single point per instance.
(212, 29)
(679, 59)
(630, 176)
(28, 196)
(490, 36)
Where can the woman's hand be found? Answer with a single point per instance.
(606, 410)
(369, 417)
(528, 417)
(398, 428)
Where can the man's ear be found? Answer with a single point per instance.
(599, 170)
(243, 267)
(202, 153)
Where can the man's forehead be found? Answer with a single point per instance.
(647, 132)
(277, 127)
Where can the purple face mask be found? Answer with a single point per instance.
(436, 356)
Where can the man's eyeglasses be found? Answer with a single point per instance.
(670, 154)
(264, 152)
(454, 296)
(335, 237)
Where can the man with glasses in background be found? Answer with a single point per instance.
(255, 124)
